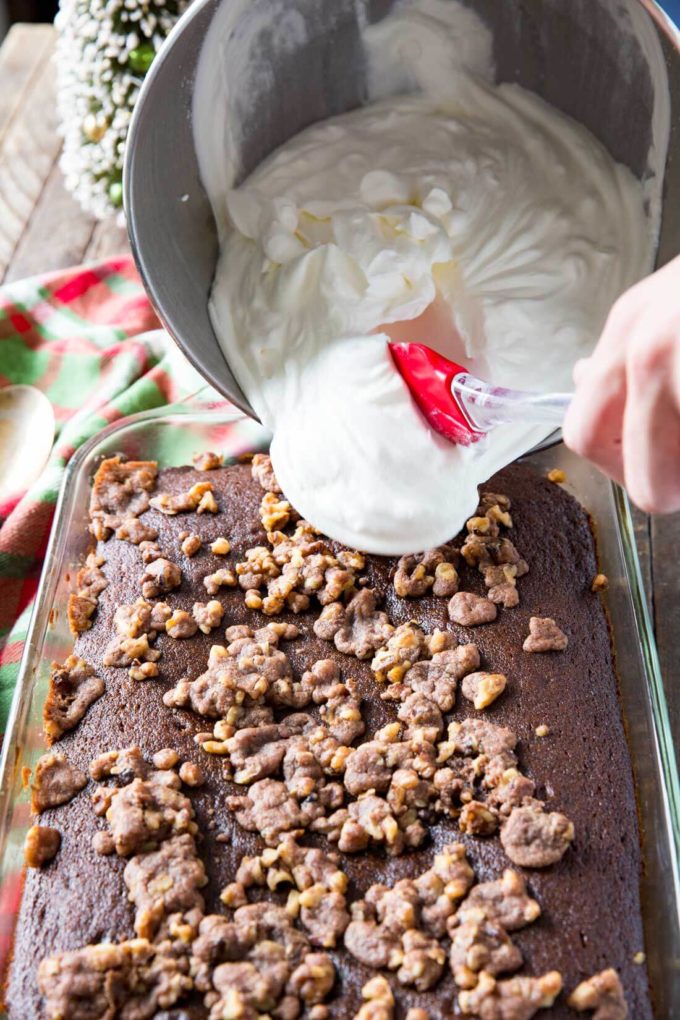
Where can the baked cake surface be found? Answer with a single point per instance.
(590, 917)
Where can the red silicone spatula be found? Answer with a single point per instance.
(463, 408)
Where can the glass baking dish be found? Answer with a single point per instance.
(172, 436)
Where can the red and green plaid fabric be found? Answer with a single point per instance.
(81, 336)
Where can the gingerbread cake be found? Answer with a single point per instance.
(287, 779)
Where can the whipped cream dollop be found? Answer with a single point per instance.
(469, 216)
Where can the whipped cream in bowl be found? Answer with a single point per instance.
(469, 216)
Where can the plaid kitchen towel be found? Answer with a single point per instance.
(81, 336)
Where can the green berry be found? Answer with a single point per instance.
(141, 58)
(116, 193)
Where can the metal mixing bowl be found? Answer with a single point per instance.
(571, 53)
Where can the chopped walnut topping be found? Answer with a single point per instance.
(602, 993)
(248, 667)
(370, 819)
(379, 1003)
(120, 490)
(504, 900)
(190, 544)
(182, 502)
(135, 531)
(477, 819)
(517, 998)
(600, 583)
(544, 636)
(128, 763)
(181, 624)
(73, 688)
(131, 621)
(263, 472)
(41, 845)
(207, 461)
(191, 774)
(164, 759)
(542, 730)
(124, 651)
(96, 980)
(471, 610)
(150, 551)
(275, 513)
(220, 547)
(482, 689)
(556, 475)
(80, 610)
(160, 577)
(358, 628)
(423, 961)
(55, 781)
(208, 615)
(480, 943)
(477, 736)
(208, 504)
(268, 808)
(145, 812)
(418, 573)
(222, 578)
(165, 882)
(535, 838)
(143, 670)
(405, 645)
(313, 980)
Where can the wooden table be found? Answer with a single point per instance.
(42, 228)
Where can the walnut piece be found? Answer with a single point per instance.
(435, 569)
(535, 838)
(263, 472)
(165, 882)
(208, 615)
(190, 543)
(544, 636)
(41, 845)
(470, 610)
(222, 578)
(482, 689)
(73, 688)
(517, 998)
(135, 531)
(504, 900)
(55, 782)
(480, 943)
(602, 993)
(181, 625)
(182, 502)
(207, 461)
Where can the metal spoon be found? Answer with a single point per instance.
(26, 437)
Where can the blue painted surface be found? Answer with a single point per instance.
(672, 9)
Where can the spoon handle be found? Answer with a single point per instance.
(488, 406)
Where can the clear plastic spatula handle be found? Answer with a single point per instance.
(487, 406)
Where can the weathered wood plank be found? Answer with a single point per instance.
(28, 153)
(665, 533)
(24, 51)
(57, 234)
(108, 238)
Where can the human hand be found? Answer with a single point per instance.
(625, 415)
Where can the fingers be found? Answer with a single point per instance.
(651, 428)
(593, 426)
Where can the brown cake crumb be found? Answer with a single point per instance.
(135, 531)
(602, 993)
(207, 461)
(600, 583)
(359, 628)
(41, 845)
(544, 636)
(482, 689)
(73, 688)
(535, 838)
(120, 490)
(480, 943)
(208, 615)
(263, 472)
(518, 998)
(181, 625)
(55, 782)
(470, 610)
(160, 577)
(190, 543)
